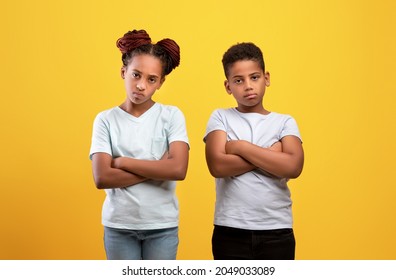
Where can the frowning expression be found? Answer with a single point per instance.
(142, 77)
(247, 82)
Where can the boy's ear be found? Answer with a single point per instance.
(123, 72)
(267, 79)
(227, 87)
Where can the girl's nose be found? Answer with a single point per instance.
(140, 86)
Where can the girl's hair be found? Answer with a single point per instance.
(242, 51)
(139, 42)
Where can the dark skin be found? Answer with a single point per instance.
(142, 77)
(247, 82)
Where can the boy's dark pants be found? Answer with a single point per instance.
(240, 244)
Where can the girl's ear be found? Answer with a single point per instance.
(227, 87)
(161, 82)
(123, 72)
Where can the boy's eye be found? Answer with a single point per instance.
(255, 77)
(238, 81)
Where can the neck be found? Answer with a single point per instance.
(136, 110)
(252, 109)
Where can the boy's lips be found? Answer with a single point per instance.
(250, 95)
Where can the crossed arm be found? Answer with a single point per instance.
(123, 171)
(231, 158)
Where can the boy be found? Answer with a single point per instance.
(252, 153)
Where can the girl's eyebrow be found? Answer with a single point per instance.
(151, 76)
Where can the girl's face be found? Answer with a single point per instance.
(247, 82)
(142, 77)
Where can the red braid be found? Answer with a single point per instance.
(132, 40)
(173, 50)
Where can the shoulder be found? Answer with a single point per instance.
(287, 124)
(107, 113)
(223, 112)
(281, 117)
(169, 111)
(168, 108)
(104, 116)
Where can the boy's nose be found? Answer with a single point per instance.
(248, 86)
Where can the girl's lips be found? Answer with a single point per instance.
(138, 95)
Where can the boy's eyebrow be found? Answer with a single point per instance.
(236, 76)
(241, 76)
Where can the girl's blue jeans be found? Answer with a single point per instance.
(125, 244)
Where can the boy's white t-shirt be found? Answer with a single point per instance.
(151, 204)
(254, 200)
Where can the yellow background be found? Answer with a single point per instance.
(332, 67)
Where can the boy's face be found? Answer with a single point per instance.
(246, 81)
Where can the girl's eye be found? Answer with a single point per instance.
(135, 75)
(152, 80)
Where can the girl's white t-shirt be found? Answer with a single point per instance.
(151, 204)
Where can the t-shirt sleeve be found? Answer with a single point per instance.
(215, 122)
(290, 128)
(101, 142)
(177, 128)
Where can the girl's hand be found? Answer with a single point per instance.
(116, 162)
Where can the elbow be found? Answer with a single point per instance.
(180, 174)
(216, 172)
(297, 167)
(180, 177)
(100, 183)
(295, 173)
(176, 173)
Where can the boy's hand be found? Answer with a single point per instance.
(231, 146)
(165, 156)
(276, 147)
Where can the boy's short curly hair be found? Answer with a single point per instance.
(242, 51)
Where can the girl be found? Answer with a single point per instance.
(139, 149)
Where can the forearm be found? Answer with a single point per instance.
(172, 166)
(107, 177)
(223, 165)
(117, 178)
(165, 169)
(287, 164)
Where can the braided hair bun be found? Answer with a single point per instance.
(173, 50)
(132, 40)
(139, 42)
